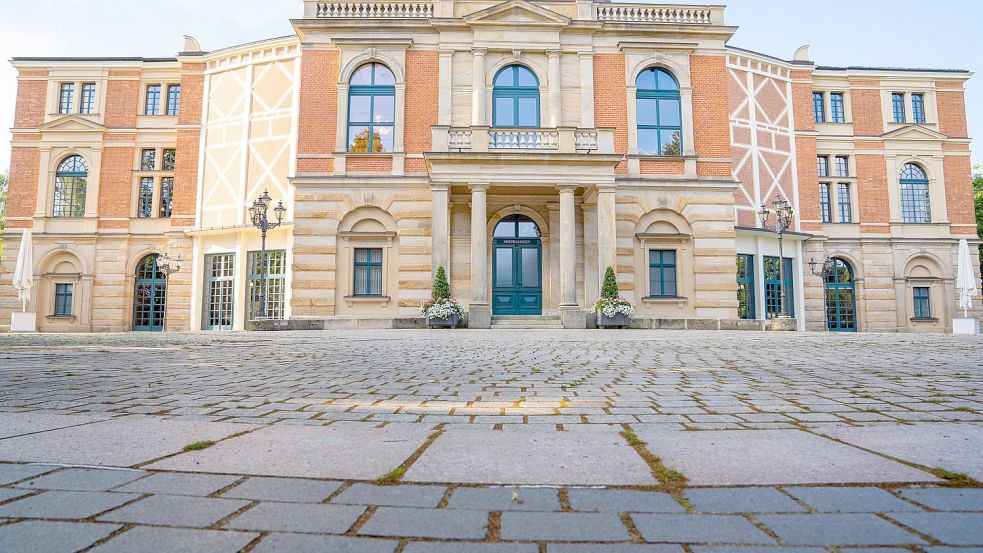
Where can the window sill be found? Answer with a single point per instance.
(665, 299)
(924, 320)
(368, 154)
(658, 157)
(62, 318)
(382, 301)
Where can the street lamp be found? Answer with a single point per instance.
(258, 214)
(783, 219)
(826, 271)
(167, 266)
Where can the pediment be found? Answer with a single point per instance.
(516, 12)
(72, 123)
(914, 132)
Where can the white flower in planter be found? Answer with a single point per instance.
(611, 307)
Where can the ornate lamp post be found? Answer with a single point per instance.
(826, 271)
(167, 266)
(258, 214)
(783, 219)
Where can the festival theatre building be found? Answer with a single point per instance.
(525, 146)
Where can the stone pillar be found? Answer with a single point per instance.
(479, 312)
(553, 88)
(570, 313)
(478, 88)
(440, 228)
(607, 231)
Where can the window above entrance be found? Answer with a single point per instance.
(517, 226)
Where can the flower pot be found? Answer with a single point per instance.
(620, 320)
(450, 322)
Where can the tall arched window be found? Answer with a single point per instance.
(515, 98)
(915, 204)
(371, 109)
(70, 180)
(659, 113)
(149, 295)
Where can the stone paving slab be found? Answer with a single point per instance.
(699, 529)
(173, 510)
(304, 451)
(392, 496)
(426, 523)
(283, 489)
(176, 540)
(618, 501)
(595, 527)
(953, 447)
(446, 547)
(83, 480)
(505, 499)
(851, 500)
(6, 494)
(299, 543)
(742, 500)
(837, 529)
(947, 499)
(64, 504)
(120, 442)
(750, 458)
(529, 457)
(19, 424)
(948, 528)
(614, 548)
(297, 517)
(180, 484)
(34, 536)
(13, 473)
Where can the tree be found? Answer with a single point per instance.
(441, 289)
(978, 198)
(610, 287)
(3, 206)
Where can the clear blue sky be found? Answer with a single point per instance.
(943, 33)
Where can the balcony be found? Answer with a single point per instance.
(659, 13)
(562, 140)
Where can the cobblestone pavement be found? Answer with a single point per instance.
(538, 441)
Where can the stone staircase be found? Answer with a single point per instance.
(526, 322)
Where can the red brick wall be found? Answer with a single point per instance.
(802, 100)
(422, 78)
(188, 145)
(872, 192)
(318, 110)
(115, 185)
(711, 120)
(951, 102)
(369, 164)
(123, 99)
(805, 149)
(31, 99)
(662, 167)
(23, 185)
(959, 193)
(610, 100)
(868, 120)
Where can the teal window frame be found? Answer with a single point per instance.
(367, 266)
(152, 104)
(168, 160)
(825, 207)
(819, 107)
(918, 108)
(773, 286)
(745, 286)
(374, 92)
(897, 107)
(921, 297)
(276, 284)
(839, 293)
(842, 166)
(166, 197)
(63, 300)
(145, 198)
(87, 101)
(515, 93)
(663, 263)
(66, 98)
(674, 147)
(837, 108)
(844, 203)
(174, 100)
(916, 206)
(149, 295)
(71, 179)
(822, 166)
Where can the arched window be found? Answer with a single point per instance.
(70, 181)
(841, 304)
(659, 113)
(515, 98)
(517, 226)
(371, 109)
(149, 295)
(915, 204)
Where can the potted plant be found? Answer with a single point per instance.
(440, 310)
(612, 310)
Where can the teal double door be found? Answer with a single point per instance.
(517, 276)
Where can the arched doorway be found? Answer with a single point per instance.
(517, 267)
(149, 295)
(841, 302)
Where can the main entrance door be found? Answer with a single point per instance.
(149, 295)
(517, 274)
(841, 304)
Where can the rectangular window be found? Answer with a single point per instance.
(148, 159)
(897, 105)
(844, 203)
(773, 287)
(66, 99)
(276, 274)
(168, 162)
(745, 286)
(822, 163)
(824, 206)
(63, 299)
(842, 166)
(915, 205)
(220, 291)
(166, 197)
(368, 272)
(818, 107)
(145, 198)
(918, 108)
(837, 112)
(152, 106)
(174, 99)
(88, 103)
(662, 273)
(922, 302)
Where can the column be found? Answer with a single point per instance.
(568, 247)
(553, 88)
(440, 228)
(479, 312)
(478, 88)
(607, 231)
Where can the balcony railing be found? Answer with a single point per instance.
(564, 140)
(648, 13)
(374, 10)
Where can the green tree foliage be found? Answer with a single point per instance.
(610, 288)
(441, 289)
(978, 197)
(3, 206)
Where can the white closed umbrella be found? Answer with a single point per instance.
(965, 278)
(24, 271)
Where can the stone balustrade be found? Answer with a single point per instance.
(654, 13)
(566, 140)
(374, 10)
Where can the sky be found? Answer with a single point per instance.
(908, 33)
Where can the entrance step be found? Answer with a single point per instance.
(526, 322)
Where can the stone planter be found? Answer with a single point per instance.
(620, 320)
(451, 322)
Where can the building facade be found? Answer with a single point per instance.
(525, 146)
